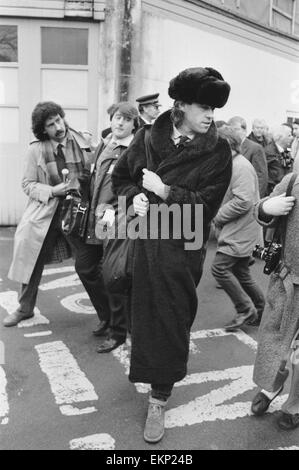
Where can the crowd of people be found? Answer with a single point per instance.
(240, 180)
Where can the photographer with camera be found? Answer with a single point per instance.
(279, 327)
(239, 232)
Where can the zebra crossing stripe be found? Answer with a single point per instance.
(218, 332)
(4, 407)
(37, 335)
(94, 442)
(9, 302)
(64, 269)
(68, 383)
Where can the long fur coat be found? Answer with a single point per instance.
(165, 275)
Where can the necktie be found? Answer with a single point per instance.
(183, 140)
(60, 160)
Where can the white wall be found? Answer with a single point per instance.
(263, 83)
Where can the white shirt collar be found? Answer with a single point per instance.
(145, 120)
(55, 144)
(176, 135)
(280, 149)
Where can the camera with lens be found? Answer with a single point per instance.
(271, 254)
(286, 159)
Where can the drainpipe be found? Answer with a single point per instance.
(130, 31)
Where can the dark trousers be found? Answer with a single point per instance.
(161, 391)
(110, 308)
(233, 275)
(28, 295)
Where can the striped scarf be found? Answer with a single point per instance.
(74, 159)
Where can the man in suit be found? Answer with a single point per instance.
(253, 152)
(148, 107)
(278, 157)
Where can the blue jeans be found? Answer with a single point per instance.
(233, 275)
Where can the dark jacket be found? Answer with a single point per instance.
(101, 188)
(256, 155)
(262, 142)
(165, 275)
(275, 169)
(142, 122)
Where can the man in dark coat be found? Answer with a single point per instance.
(253, 152)
(111, 308)
(278, 157)
(149, 108)
(258, 133)
(188, 167)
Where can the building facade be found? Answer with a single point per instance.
(88, 54)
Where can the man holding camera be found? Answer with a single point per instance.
(279, 334)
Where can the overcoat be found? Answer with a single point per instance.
(255, 154)
(280, 319)
(38, 214)
(240, 231)
(165, 275)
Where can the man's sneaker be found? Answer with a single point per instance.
(154, 426)
(240, 319)
(16, 317)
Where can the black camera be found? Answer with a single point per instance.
(271, 254)
(286, 160)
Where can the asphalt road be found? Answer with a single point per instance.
(57, 393)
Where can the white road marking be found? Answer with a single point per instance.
(62, 282)
(9, 302)
(193, 348)
(74, 304)
(69, 410)
(287, 448)
(123, 355)
(218, 332)
(67, 381)
(95, 442)
(210, 407)
(65, 269)
(37, 320)
(37, 335)
(4, 407)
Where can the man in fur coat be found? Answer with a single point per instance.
(187, 165)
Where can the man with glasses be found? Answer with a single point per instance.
(148, 109)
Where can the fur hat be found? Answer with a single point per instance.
(200, 85)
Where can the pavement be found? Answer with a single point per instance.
(57, 393)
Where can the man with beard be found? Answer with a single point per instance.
(39, 238)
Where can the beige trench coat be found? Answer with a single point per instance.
(36, 220)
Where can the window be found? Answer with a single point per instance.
(8, 43)
(65, 46)
(281, 15)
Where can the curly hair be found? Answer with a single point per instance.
(177, 114)
(40, 114)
